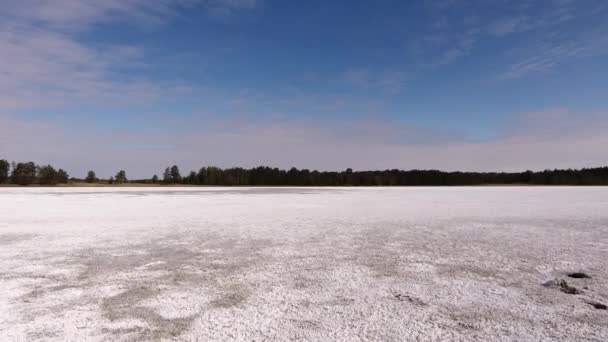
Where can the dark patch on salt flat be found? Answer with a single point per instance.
(569, 289)
(407, 298)
(597, 305)
(126, 305)
(563, 286)
(229, 300)
(578, 275)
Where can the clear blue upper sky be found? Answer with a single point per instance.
(451, 84)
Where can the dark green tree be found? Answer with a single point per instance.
(47, 175)
(175, 176)
(91, 177)
(214, 176)
(24, 173)
(62, 176)
(172, 175)
(121, 177)
(192, 178)
(167, 176)
(202, 176)
(4, 169)
(155, 179)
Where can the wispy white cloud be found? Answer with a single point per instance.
(76, 14)
(545, 15)
(42, 67)
(545, 56)
(226, 8)
(509, 25)
(44, 62)
(390, 82)
(531, 26)
(451, 47)
(561, 33)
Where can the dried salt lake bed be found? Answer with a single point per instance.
(462, 263)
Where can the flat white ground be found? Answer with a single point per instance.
(330, 264)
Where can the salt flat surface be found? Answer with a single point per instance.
(322, 264)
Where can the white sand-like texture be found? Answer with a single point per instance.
(316, 264)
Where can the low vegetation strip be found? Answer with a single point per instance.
(30, 173)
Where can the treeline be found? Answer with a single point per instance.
(274, 176)
(29, 173)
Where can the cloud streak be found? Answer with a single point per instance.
(534, 27)
(388, 82)
(44, 63)
(79, 14)
(547, 55)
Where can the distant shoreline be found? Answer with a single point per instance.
(31, 174)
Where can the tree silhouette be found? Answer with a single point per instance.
(4, 169)
(192, 178)
(91, 177)
(24, 173)
(121, 177)
(62, 176)
(175, 176)
(47, 175)
(167, 176)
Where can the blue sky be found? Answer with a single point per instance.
(448, 84)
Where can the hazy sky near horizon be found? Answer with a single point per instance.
(447, 84)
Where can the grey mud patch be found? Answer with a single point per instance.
(143, 271)
(235, 296)
(174, 264)
(124, 306)
(302, 282)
